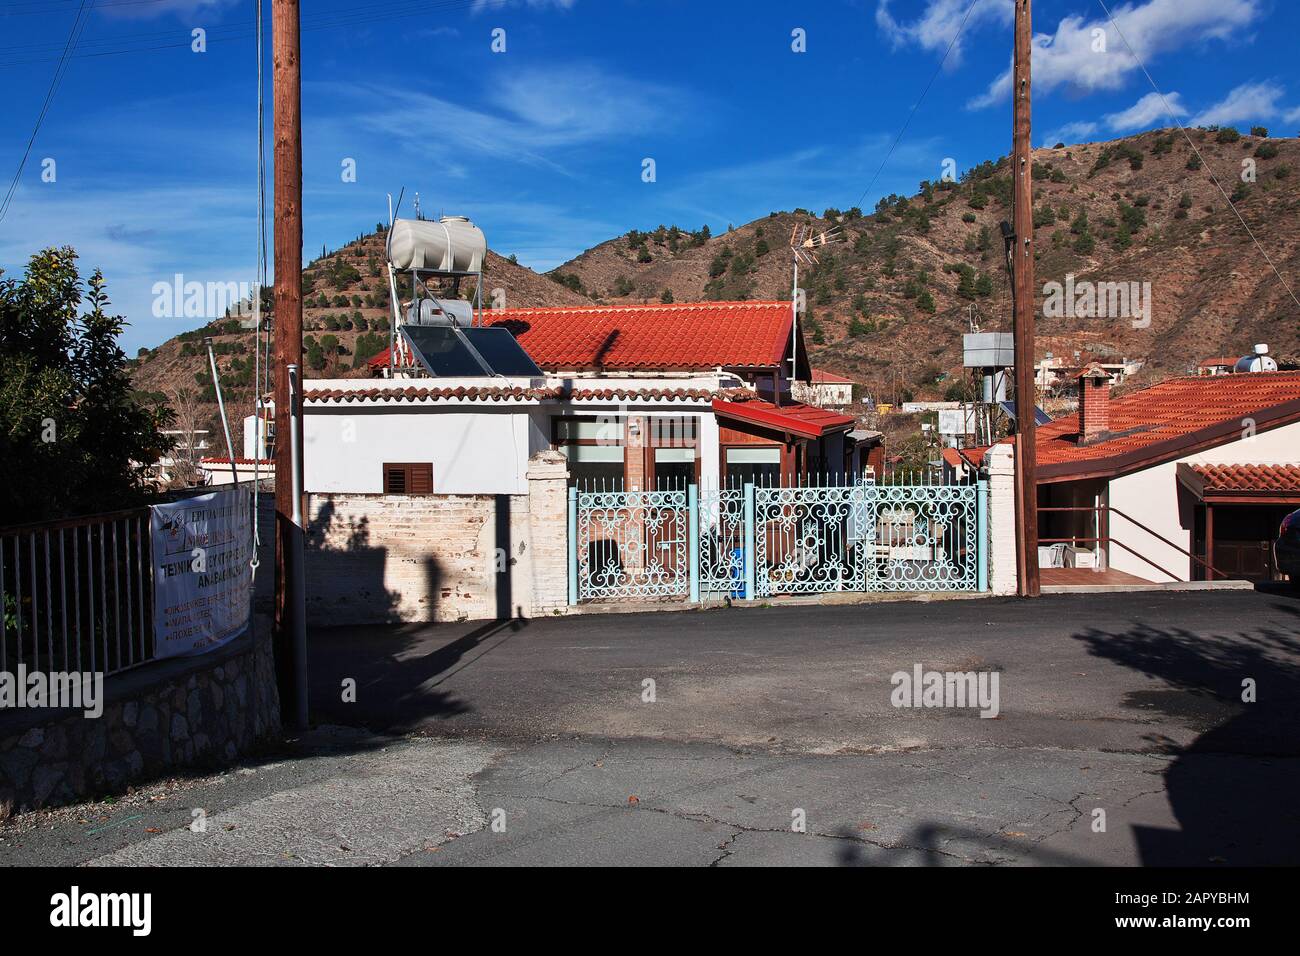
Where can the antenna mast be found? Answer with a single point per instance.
(803, 240)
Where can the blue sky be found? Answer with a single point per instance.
(543, 144)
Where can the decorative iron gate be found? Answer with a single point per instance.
(723, 540)
(629, 544)
(756, 541)
(923, 537)
(810, 539)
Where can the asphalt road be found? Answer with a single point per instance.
(1122, 737)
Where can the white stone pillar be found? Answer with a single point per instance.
(1000, 461)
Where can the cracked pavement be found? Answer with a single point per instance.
(771, 741)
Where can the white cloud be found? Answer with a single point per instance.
(1250, 101)
(480, 5)
(527, 115)
(939, 24)
(1148, 111)
(1071, 59)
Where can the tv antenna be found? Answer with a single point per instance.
(804, 241)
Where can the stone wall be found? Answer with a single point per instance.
(374, 557)
(184, 712)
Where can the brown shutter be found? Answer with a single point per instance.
(415, 478)
(420, 478)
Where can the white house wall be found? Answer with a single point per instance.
(1154, 497)
(480, 450)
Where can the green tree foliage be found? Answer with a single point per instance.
(73, 437)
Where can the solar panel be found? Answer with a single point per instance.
(502, 351)
(1040, 417)
(448, 352)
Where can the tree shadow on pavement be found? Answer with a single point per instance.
(1233, 790)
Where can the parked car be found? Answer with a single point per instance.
(1286, 550)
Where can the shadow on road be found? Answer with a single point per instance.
(397, 671)
(1233, 790)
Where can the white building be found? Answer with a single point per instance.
(1171, 481)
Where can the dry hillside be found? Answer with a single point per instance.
(888, 305)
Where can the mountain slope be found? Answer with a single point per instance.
(889, 303)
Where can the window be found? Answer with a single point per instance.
(760, 464)
(595, 450)
(674, 468)
(410, 478)
(595, 467)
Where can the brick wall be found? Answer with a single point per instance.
(439, 557)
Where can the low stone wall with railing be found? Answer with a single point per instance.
(184, 712)
(89, 703)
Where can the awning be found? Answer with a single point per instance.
(1243, 484)
(795, 418)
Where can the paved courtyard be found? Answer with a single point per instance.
(760, 736)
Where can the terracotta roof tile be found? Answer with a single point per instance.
(1160, 422)
(689, 335)
(1277, 478)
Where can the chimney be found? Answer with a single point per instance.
(1094, 403)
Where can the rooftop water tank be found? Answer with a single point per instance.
(452, 244)
(1261, 361)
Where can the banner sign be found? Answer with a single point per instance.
(202, 582)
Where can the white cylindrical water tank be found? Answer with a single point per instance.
(451, 244)
(1261, 361)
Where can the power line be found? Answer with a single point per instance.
(332, 19)
(917, 105)
(1204, 165)
(73, 36)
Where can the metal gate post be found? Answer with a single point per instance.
(982, 535)
(573, 546)
(693, 539)
(751, 541)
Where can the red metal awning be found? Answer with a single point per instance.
(796, 418)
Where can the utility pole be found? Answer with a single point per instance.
(1022, 277)
(289, 633)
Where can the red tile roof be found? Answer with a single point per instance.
(687, 335)
(1169, 420)
(963, 457)
(1282, 479)
(822, 377)
(806, 421)
(690, 335)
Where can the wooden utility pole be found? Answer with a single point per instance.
(287, 92)
(1022, 277)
